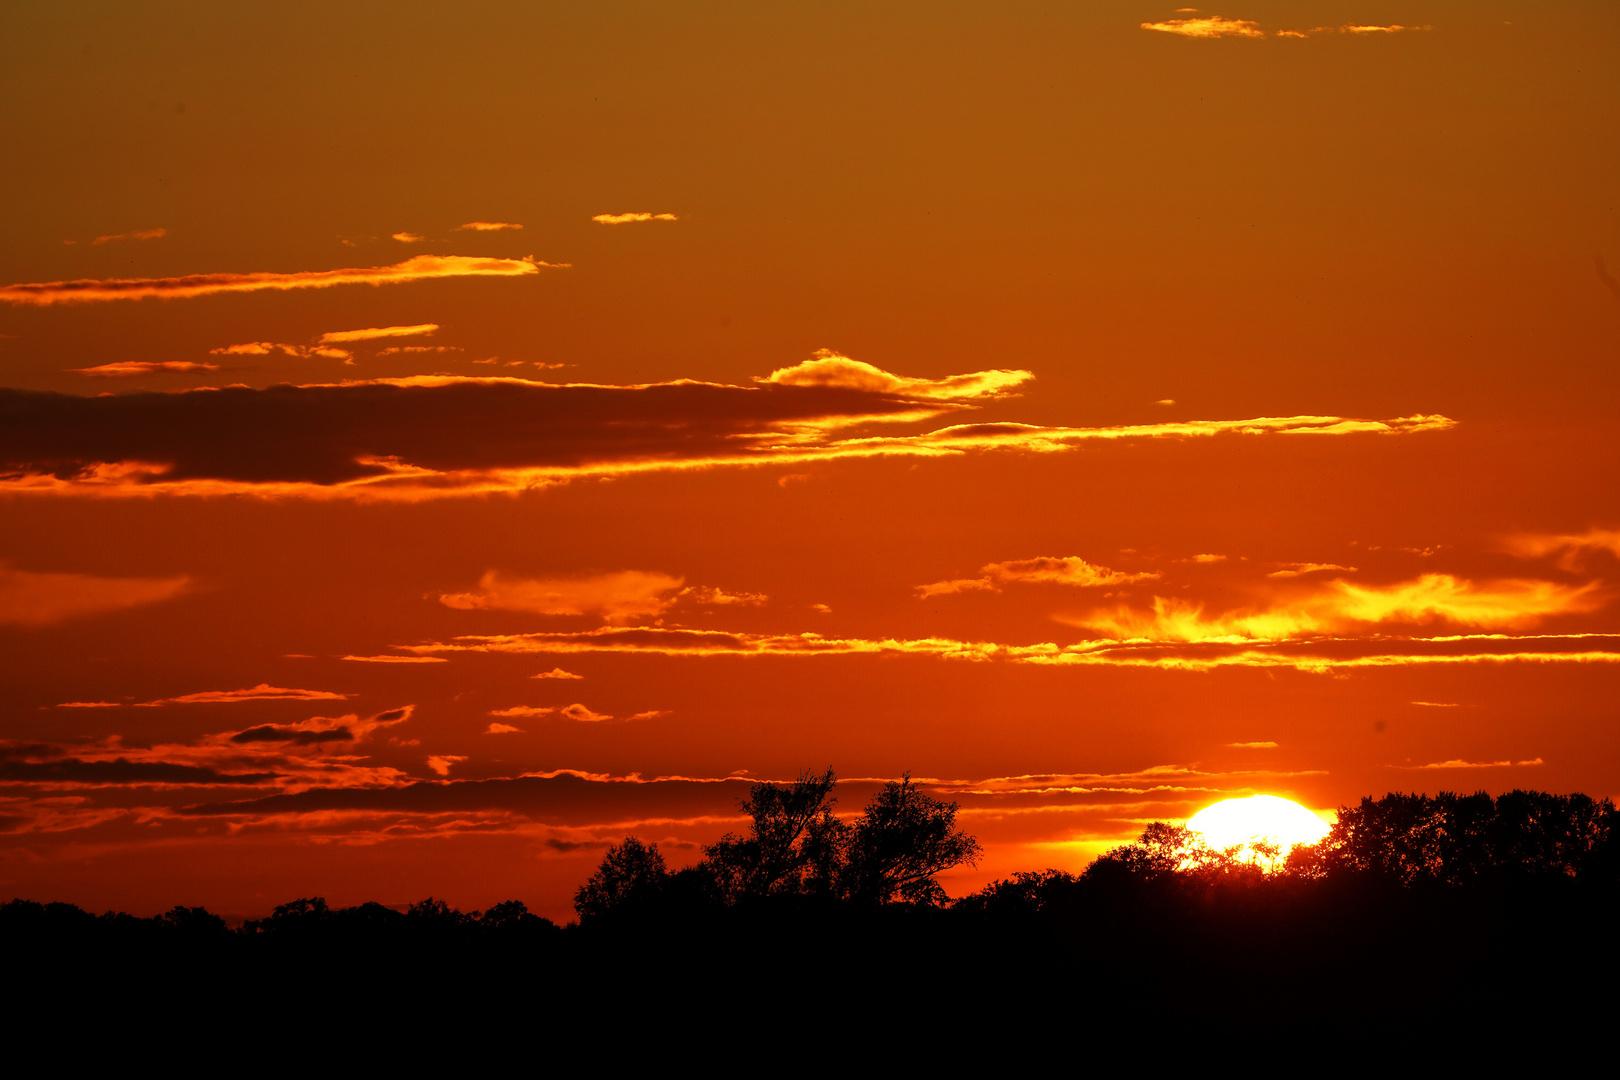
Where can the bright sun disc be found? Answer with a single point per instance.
(1241, 822)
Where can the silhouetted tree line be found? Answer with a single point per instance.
(1467, 911)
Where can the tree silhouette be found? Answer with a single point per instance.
(631, 876)
(900, 842)
(794, 845)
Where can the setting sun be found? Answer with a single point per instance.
(1258, 818)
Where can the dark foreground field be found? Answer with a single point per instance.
(1447, 930)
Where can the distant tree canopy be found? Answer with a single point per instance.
(796, 847)
(1457, 839)
(1444, 839)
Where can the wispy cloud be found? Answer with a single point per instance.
(1321, 656)
(1045, 570)
(420, 268)
(556, 673)
(630, 218)
(391, 659)
(139, 234)
(1301, 568)
(1263, 745)
(371, 333)
(1209, 26)
(1459, 763)
(502, 729)
(262, 692)
(1571, 547)
(129, 369)
(408, 237)
(265, 348)
(488, 226)
(28, 598)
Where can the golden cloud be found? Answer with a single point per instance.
(265, 348)
(1047, 570)
(420, 268)
(626, 219)
(1212, 26)
(828, 368)
(44, 599)
(488, 226)
(1340, 605)
(371, 333)
(1324, 655)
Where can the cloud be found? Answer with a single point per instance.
(440, 763)
(90, 705)
(502, 729)
(709, 596)
(44, 599)
(119, 771)
(1340, 605)
(627, 594)
(1206, 558)
(265, 348)
(125, 369)
(262, 692)
(434, 436)
(626, 219)
(1044, 570)
(1300, 568)
(1253, 745)
(1211, 26)
(828, 368)
(523, 711)
(139, 234)
(408, 237)
(1313, 655)
(420, 268)
(580, 713)
(488, 226)
(556, 673)
(1458, 763)
(650, 714)
(1437, 704)
(371, 333)
(1571, 547)
(390, 659)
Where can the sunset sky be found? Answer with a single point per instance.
(438, 441)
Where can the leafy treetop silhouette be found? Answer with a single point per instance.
(796, 846)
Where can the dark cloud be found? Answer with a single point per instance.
(330, 434)
(120, 771)
(562, 799)
(277, 733)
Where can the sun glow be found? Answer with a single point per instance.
(1256, 825)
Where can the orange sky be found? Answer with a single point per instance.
(439, 442)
